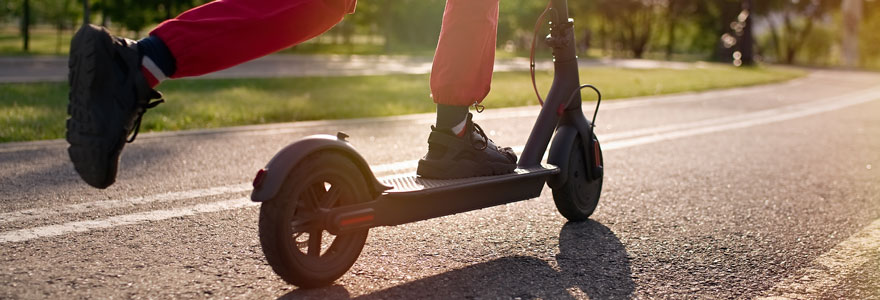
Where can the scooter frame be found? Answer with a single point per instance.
(407, 201)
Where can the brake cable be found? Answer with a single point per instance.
(532, 52)
(598, 101)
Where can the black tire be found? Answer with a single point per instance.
(309, 189)
(578, 197)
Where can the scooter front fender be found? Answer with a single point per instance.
(285, 161)
(560, 151)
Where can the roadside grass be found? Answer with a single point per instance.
(37, 111)
(43, 40)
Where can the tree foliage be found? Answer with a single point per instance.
(790, 31)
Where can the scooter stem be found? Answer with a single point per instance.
(565, 81)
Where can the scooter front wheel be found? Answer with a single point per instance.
(292, 234)
(578, 197)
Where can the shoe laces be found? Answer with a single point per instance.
(144, 108)
(479, 145)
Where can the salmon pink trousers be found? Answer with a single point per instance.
(224, 33)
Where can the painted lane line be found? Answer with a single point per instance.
(828, 271)
(803, 112)
(121, 220)
(43, 213)
(854, 100)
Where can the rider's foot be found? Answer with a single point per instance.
(473, 154)
(108, 96)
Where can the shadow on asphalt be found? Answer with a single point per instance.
(592, 263)
(51, 168)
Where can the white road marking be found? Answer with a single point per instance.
(828, 270)
(758, 118)
(41, 213)
(748, 120)
(121, 220)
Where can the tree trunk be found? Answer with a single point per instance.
(670, 17)
(388, 26)
(795, 40)
(852, 16)
(60, 29)
(168, 9)
(671, 43)
(25, 25)
(603, 32)
(774, 35)
(729, 12)
(747, 45)
(86, 12)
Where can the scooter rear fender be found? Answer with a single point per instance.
(281, 164)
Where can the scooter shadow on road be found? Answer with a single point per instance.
(592, 263)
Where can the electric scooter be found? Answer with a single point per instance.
(319, 197)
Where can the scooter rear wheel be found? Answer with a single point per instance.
(578, 197)
(294, 240)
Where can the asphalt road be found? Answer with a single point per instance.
(755, 192)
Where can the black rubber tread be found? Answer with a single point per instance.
(107, 92)
(577, 199)
(95, 156)
(276, 215)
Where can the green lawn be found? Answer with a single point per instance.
(36, 111)
(43, 41)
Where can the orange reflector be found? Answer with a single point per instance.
(356, 220)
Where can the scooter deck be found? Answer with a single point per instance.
(411, 183)
(414, 199)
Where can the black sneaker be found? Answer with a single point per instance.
(450, 156)
(108, 96)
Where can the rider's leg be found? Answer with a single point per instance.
(110, 89)
(225, 33)
(460, 77)
(465, 55)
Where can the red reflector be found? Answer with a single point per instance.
(356, 220)
(258, 181)
(597, 154)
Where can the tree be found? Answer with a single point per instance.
(63, 14)
(677, 11)
(868, 37)
(134, 15)
(852, 18)
(26, 25)
(630, 22)
(87, 12)
(791, 22)
(747, 44)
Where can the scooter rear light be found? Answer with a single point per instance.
(258, 180)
